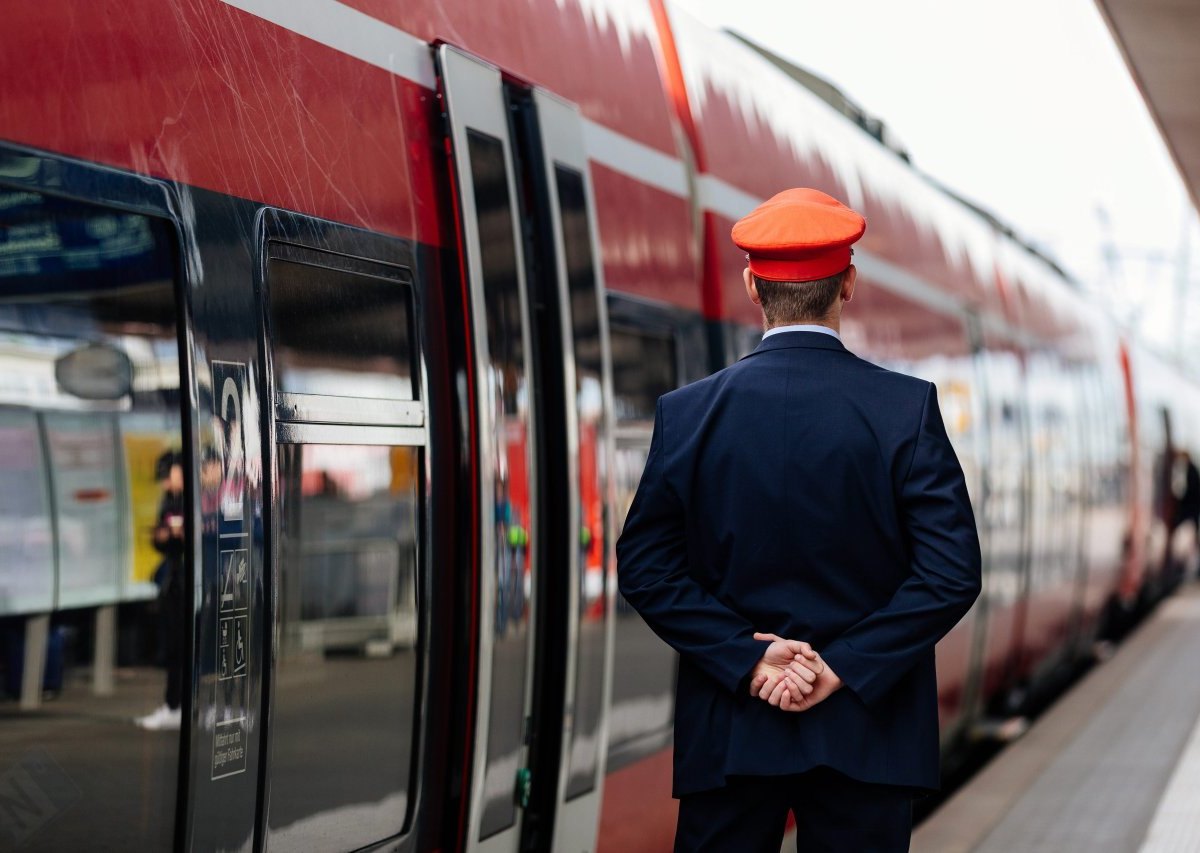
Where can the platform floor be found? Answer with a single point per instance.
(1112, 767)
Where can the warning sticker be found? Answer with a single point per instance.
(229, 748)
(235, 580)
(232, 636)
(227, 502)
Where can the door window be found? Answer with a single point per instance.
(506, 393)
(350, 447)
(583, 299)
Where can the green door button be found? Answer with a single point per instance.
(524, 783)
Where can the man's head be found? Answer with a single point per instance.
(168, 470)
(787, 302)
(797, 246)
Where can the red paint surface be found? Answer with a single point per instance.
(557, 45)
(207, 95)
(646, 239)
(638, 814)
(723, 264)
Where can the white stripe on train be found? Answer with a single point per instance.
(382, 45)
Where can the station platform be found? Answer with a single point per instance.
(1112, 766)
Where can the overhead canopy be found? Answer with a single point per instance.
(1159, 39)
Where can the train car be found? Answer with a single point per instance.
(400, 285)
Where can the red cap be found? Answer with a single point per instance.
(798, 235)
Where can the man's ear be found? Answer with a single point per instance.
(751, 289)
(848, 283)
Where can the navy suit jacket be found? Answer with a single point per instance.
(808, 493)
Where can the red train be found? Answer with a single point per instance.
(401, 282)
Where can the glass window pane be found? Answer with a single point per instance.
(644, 369)
(339, 333)
(346, 682)
(508, 396)
(585, 323)
(91, 517)
(83, 465)
(26, 532)
(643, 692)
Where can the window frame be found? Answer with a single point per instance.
(292, 418)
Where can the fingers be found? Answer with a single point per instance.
(807, 669)
(795, 697)
(801, 648)
(788, 691)
(814, 663)
(781, 687)
(767, 687)
(798, 687)
(795, 647)
(801, 670)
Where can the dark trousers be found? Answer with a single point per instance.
(172, 615)
(833, 813)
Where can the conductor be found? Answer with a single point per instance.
(802, 537)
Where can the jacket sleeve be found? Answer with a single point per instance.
(652, 574)
(874, 654)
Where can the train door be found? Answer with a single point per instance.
(541, 391)
(575, 381)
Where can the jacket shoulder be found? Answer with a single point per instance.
(700, 390)
(893, 380)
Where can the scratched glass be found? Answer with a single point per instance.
(91, 516)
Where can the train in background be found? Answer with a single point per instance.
(403, 283)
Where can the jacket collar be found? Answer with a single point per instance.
(793, 340)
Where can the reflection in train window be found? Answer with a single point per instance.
(339, 332)
(585, 322)
(507, 391)
(644, 368)
(346, 685)
(92, 525)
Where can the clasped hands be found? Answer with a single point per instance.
(791, 675)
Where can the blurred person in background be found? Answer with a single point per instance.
(168, 540)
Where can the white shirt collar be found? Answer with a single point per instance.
(801, 327)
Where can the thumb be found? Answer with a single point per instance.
(768, 638)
